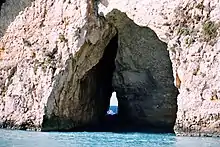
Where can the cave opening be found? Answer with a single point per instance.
(136, 67)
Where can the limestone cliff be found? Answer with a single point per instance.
(191, 29)
(60, 62)
(50, 56)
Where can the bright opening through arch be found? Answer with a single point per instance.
(113, 107)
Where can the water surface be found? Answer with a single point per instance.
(9, 138)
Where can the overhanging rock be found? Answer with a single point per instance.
(48, 60)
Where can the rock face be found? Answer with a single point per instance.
(9, 9)
(195, 62)
(54, 60)
(191, 29)
(143, 78)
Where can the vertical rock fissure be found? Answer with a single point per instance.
(100, 93)
(1, 2)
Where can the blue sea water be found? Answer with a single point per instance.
(113, 110)
(9, 138)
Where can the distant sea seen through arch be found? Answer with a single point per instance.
(113, 107)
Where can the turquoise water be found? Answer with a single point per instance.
(14, 138)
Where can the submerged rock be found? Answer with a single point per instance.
(53, 65)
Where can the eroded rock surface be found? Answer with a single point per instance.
(53, 66)
(9, 9)
(143, 78)
(191, 29)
